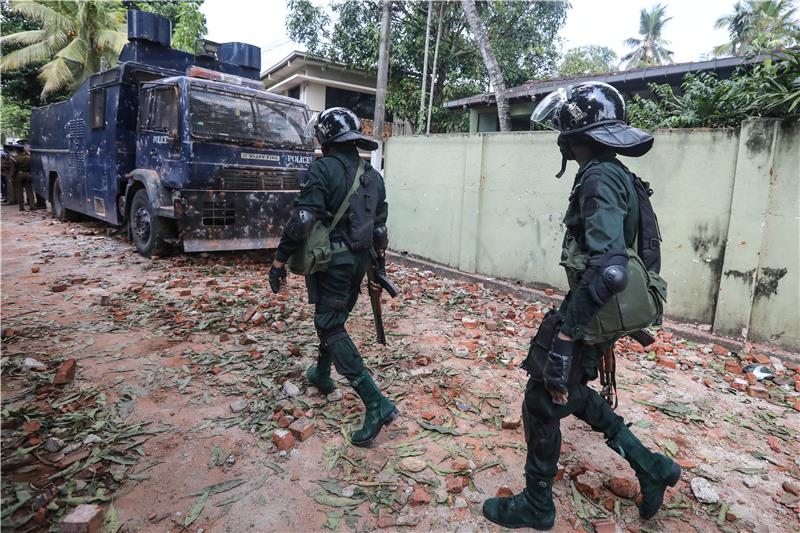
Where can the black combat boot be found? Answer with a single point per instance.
(533, 507)
(380, 411)
(655, 471)
(320, 375)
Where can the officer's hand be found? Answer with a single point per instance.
(557, 368)
(277, 277)
(375, 287)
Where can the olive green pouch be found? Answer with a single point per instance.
(640, 305)
(314, 253)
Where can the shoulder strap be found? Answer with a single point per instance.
(346, 202)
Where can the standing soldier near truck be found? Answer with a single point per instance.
(354, 238)
(21, 177)
(611, 253)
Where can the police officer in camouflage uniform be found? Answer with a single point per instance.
(335, 291)
(601, 222)
(21, 178)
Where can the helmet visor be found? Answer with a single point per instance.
(546, 111)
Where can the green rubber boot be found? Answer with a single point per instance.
(655, 471)
(380, 411)
(533, 507)
(320, 375)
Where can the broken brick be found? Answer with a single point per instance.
(246, 340)
(302, 428)
(504, 492)
(34, 269)
(59, 287)
(282, 439)
(606, 526)
(791, 488)
(66, 372)
(774, 443)
(420, 496)
(285, 421)
(469, 322)
(762, 359)
(83, 519)
(423, 361)
(248, 314)
(456, 484)
(510, 331)
(667, 362)
(732, 367)
(511, 422)
(185, 292)
(719, 350)
(31, 426)
(739, 384)
(460, 464)
(751, 378)
(757, 391)
(589, 484)
(623, 487)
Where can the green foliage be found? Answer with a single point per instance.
(771, 89)
(76, 38)
(15, 119)
(188, 22)
(587, 60)
(651, 48)
(20, 85)
(757, 25)
(523, 36)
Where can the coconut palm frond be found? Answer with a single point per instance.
(24, 37)
(112, 39)
(55, 75)
(30, 55)
(77, 51)
(48, 16)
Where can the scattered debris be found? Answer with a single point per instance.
(704, 491)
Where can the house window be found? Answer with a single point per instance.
(294, 92)
(97, 108)
(363, 105)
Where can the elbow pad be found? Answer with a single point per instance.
(380, 237)
(607, 275)
(300, 224)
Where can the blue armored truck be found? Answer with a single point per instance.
(181, 148)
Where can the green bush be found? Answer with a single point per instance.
(770, 89)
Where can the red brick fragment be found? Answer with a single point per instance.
(762, 359)
(732, 367)
(739, 384)
(302, 428)
(59, 287)
(623, 487)
(606, 526)
(282, 439)
(469, 322)
(31, 426)
(774, 443)
(504, 492)
(791, 488)
(460, 464)
(34, 269)
(757, 391)
(589, 484)
(667, 362)
(420, 496)
(720, 350)
(83, 519)
(66, 372)
(456, 484)
(512, 422)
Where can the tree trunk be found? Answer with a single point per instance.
(421, 113)
(383, 79)
(433, 70)
(496, 77)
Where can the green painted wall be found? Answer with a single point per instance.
(489, 203)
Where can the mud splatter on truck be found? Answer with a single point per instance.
(180, 148)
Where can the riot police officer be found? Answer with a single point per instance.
(359, 236)
(601, 221)
(21, 177)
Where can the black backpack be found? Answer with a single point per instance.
(649, 234)
(360, 216)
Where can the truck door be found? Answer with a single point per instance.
(100, 157)
(74, 186)
(159, 132)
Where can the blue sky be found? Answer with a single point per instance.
(601, 22)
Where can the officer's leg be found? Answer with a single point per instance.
(29, 193)
(654, 470)
(19, 188)
(336, 292)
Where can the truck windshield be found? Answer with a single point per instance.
(224, 116)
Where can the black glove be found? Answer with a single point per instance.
(277, 277)
(558, 365)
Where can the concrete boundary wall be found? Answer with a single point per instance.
(728, 202)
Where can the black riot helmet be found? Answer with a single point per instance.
(339, 125)
(594, 109)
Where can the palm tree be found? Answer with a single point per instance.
(651, 49)
(77, 38)
(758, 24)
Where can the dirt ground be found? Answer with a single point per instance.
(181, 382)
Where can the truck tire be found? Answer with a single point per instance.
(148, 230)
(57, 204)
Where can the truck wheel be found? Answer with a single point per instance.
(148, 230)
(57, 204)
